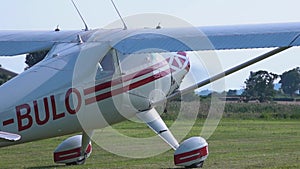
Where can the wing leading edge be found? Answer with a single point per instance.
(158, 40)
(212, 38)
(254, 36)
(21, 42)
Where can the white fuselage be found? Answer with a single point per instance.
(48, 100)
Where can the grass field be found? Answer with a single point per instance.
(235, 144)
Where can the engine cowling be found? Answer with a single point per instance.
(69, 151)
(191, 153)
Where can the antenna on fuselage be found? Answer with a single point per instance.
(86, 27)
(124, 24)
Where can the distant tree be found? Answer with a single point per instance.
(34, 58)
(260, 86)
(232, 92)
(290, 81)
(3, 78)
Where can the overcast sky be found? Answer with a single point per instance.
(47, 14)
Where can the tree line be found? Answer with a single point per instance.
(3, 78)
(260, 85)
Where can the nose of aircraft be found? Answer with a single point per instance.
(179, 65)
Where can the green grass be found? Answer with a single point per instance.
(235, 144)
(262, 111)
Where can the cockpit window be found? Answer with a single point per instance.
(106, 66)
(107, 63)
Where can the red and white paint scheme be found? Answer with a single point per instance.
(69, 151)
(192, 152)
(90, 79)
(135, 83)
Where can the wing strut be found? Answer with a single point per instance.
(223, 74)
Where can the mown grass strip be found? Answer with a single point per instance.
(235, 144)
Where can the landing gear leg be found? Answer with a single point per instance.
(190, 154)
(154, 121)
(86, 147)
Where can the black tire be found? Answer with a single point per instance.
(78, 162)
(196, 165)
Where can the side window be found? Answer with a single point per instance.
(106, 66)
(107, 63)
(135, 62)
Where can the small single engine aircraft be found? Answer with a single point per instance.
(91, 79)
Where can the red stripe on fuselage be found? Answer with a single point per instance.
(127, 88)
(124, 79)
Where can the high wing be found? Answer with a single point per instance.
(158, 40)
(213, 38)
(21, 42)
(254, 36)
